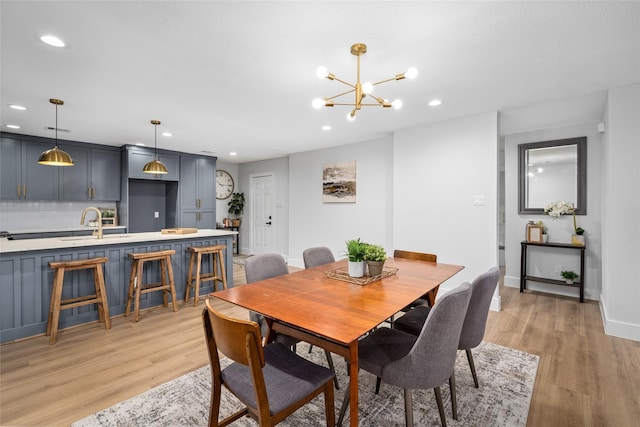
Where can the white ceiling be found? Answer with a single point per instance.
(240, 76)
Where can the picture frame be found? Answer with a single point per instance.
(534, 234)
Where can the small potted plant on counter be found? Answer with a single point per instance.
(236, 208)
(375, 256)
(355, 253)
(569, 276)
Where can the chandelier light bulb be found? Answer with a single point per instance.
(367, 88)
(411, 73)
(322, 72)
(351, 116)
(397, 104)
(317, 103)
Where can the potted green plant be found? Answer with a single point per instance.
(355, 254)
(236, 208)
(375, 256)
(569, 276)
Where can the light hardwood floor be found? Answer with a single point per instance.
(585, 378)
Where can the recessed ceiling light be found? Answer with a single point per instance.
(434, 103)
(52, 41)
(167, 134)
(13, 126)
(326, 127)
(233, 153)
(17, 107)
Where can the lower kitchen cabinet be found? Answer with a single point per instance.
(26, 281)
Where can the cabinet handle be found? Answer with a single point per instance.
(18, 191)
(24, 191)
(93, 192)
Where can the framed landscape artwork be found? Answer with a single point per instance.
(339, 182)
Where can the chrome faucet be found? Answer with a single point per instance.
(97, 232)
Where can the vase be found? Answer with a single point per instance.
(356, 268)
(577, 239)
(375, 267)
(569, 282)
(545, 238)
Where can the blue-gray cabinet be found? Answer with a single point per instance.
(94, 176)
(197, 191)
(137, 157)
(26, 281)
(22, 178)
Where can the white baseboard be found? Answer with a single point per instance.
(617, 328)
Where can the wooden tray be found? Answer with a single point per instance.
(178, 230)
(343, 275)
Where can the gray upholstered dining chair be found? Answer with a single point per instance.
(265, 266)
(418, 362)
(271, 381)
(319, 255)
(475, 322)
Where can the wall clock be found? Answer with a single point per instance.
(224, 184)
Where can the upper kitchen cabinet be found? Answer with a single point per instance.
(197, 182)
(21, 177)
(94, 176)
(197, 191)
(137, 157)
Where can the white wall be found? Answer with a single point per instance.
(438, 170)
(314, 223)
(543, 262)
(222, 206)
(620, 297)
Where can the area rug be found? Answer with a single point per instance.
(506, 379)
(240, 259)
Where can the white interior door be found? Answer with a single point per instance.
(262, 213)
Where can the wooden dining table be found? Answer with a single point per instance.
(332, 313)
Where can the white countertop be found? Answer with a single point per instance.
(63, 229)
(7, 246)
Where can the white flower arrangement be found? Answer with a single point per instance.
(556, 209)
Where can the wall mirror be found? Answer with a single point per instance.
(550, 171)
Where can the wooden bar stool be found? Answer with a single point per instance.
(195, 261)
(57, 303)
(137, 287)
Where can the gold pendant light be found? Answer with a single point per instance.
(155, 166)
(55, 156)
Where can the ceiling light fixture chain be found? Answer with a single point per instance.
(360, 89)
(155, 166)
(55, 156)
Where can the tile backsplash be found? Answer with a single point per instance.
(44, 215)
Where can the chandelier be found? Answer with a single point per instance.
(155, 166)
(55, 156)
(361, 90)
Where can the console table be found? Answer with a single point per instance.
(523, 266)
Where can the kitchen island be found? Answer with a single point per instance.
(26, 279)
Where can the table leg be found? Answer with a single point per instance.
(353, 383)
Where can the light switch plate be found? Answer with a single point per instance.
(478, 200)
(156, 214)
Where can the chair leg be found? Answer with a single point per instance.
(329, 410)
(473, 367)
(454, 400)
(330, 363)
(443, 419)
(345, 405)
(408, 408)
(378, 381)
